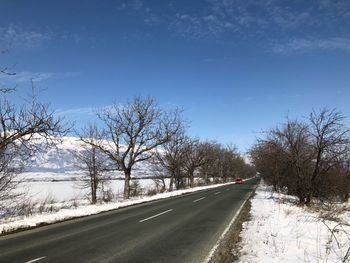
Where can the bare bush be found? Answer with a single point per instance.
(152, 191)
(135, 188)
(307, 159)
(107, 195)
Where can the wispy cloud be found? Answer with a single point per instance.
(27, 76)
(16, 36)
(131, 4)
(13, 35)
(142, 9)
(82, 111)
(219, 17)
(79, 111)
(242, 19)
(304, 45)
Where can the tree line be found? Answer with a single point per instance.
(140, 131)
(308, 158)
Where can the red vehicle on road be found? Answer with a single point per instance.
(239, 181)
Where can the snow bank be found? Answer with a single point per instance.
(12, 224)
(280, 231)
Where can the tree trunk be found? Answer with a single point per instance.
(127, 184)
(93, 190)
(206, 179)
(171, 184)
(191, 177)
(191, 181)
(94, 194)
(94, 177)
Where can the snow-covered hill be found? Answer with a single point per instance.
(59, 163)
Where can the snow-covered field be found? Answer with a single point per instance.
(281, 231)
(61, 191)
(55, 174)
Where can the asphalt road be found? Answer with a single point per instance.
(181, 229)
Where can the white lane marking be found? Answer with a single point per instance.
(162, 213)
(198, 199)
(217, 193)
(35, 260)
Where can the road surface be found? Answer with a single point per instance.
(180, 229)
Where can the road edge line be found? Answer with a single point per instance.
(222, 236)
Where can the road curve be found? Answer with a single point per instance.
(180, 229)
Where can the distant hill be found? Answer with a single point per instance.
(59, 163)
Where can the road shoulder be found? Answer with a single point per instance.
(227, 250)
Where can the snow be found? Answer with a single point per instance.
(62, 191)
(59, 163)
(14, 223)
(281, 231)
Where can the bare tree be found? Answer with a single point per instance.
(93, 161)
(309, 159)
(134, 131)
(21, 126)
(233, 164)
(330, 140)
(270, 158)
(194, 158)
(171, 158)
(8, 172)
(209, 167)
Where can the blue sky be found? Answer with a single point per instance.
(236, 67)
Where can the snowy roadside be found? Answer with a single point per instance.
(23, 222)
(281, 231)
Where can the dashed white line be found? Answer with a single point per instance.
(162, 213)
(217, 193)
(198, 199)
(35, 260)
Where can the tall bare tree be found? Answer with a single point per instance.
(134, 131)
(330, 140)
(171, 158)
(209, 168)
(194, 152)
(92, 160)
(21, 126)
